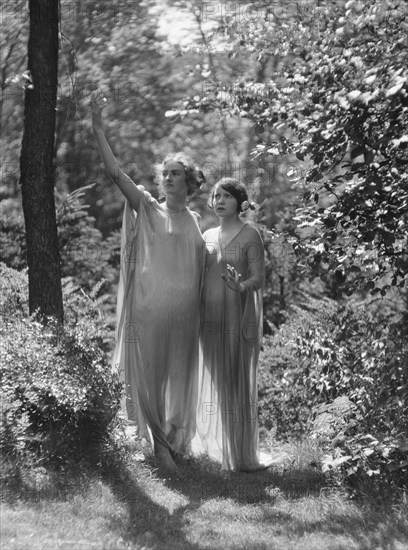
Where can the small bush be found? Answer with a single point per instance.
(362, 457)
(349, 351)
(89, 313)
(328, 350)
(284, 406)
(58, 391)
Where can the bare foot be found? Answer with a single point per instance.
(177, 457)
(164, 461)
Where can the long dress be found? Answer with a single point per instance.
(158, 311)
(230, 338)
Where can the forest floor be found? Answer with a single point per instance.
(290, 506)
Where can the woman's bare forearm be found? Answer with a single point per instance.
(126, 185)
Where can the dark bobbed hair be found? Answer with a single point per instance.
(234, 187)
(194, 176)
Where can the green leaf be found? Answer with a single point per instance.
(369, 286)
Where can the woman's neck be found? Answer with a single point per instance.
(175, 205)
(230, 223)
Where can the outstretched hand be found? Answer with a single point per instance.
(97, 103)
(233, 279)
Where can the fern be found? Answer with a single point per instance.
(95, 290)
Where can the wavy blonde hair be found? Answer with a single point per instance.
(194, 176)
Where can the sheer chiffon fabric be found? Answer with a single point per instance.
(230, 338)
(162, 257)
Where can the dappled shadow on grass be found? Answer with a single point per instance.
(36, 485)
(368, 527)
(203, 504)
(147, 523)
(201, 479)
(144, 523)
(299, 502)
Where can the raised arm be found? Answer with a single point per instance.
(128, 187)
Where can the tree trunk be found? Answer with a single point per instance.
(36, 162)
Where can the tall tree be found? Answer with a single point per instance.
(36, 161)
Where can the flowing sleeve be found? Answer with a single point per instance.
(128, 258)
(124, 326)
(197, 219)
(252, 298)
(255, 256)
(127, 253)
(125, 275)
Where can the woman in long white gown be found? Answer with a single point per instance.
(231, 332)
(159, 302)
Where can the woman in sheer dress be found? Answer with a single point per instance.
(230, 334)
(158, 302)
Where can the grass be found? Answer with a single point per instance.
(127, 506)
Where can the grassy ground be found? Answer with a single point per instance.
(127, 506)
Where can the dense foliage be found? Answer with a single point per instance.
(58, 391)
(336, 102)
(327, 351)
(86, 256)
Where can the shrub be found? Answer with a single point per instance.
(328, 350)
(285, 397)
(89, 313)
(58, 391)
(362, 457)
(284, 406)
(349, 351)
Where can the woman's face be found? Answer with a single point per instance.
(224, 204)
(174, 178)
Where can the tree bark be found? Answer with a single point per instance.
(36, 162)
